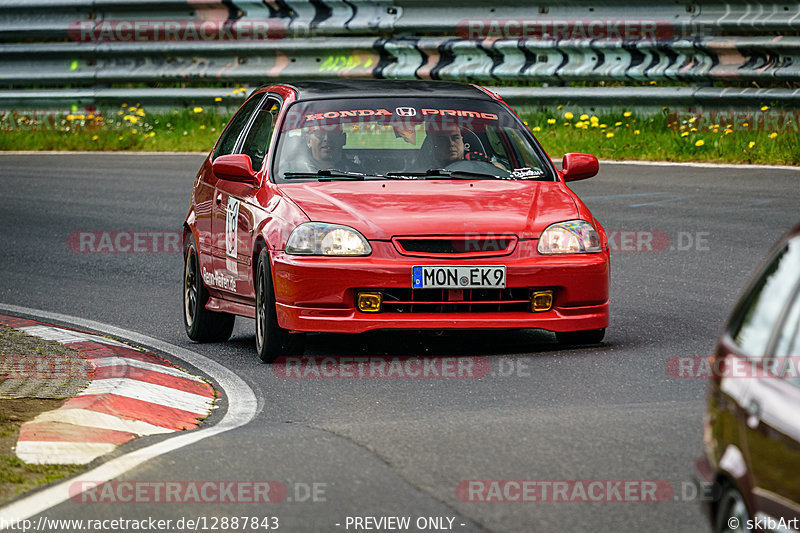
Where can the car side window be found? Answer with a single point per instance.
(787, 342)
(257, 140)
(757, 316)
(227, 142)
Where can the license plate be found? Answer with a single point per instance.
(458, 277)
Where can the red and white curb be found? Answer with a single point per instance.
(132, 393)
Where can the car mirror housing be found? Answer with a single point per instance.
(577, 166)
(234, 167)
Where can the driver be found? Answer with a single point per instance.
(447, 146)
(326, 151)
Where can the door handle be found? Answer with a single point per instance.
(753, 411)
(219, 198)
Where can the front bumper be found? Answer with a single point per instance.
(317, 294)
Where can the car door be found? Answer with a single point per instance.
(771, 401)
(235, 209)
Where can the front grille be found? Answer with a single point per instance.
(462, 246)
(508, 300)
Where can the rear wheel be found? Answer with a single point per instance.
(272, 341)
(201, 324)
(575, 338)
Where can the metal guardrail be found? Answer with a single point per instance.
(94, 44)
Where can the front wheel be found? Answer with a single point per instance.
(201, 324)
(272, 341)
(731, 515)
(576, 338)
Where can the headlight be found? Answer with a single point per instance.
(571, 237)
(319, 238)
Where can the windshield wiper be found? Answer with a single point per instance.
(328, 174)
(332, 174)
(444, 173)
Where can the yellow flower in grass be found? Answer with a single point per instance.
(745, 124)
(202, 126)
(626, 114)
(618, 123)
(685, 134)
(584, 117)
(124, 104)
(198, 109)
(537, 128)
(568, 115)
(594, 120)
(636, 132)
(560, 106)
(728, 130)
(94, 137)
(70, 117)
(773, 135)
(609, 135)
(692, 120)
(120, 112)
(764, 108)
(699, 142)
(140, 112)
(603, 126)
(218, 99)
(551, 121)
(751, 144)
(693, 130)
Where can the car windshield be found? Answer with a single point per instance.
(406, 138)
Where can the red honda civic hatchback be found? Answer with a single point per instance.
(350, 206)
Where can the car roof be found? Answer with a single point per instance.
(316, 90)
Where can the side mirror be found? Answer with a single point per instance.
(234, 167)
(579, 166)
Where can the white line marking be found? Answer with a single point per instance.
(697, 165)
(150, 392)
(122, 361)
(95, 419)
(79, 453)
(64, 336)
(242, 408)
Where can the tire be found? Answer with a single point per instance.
(577, 338)
(272, 341)
(201, 324)
(731, 511)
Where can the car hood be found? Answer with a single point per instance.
(381, 210)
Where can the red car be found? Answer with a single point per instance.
(351, 206)
(750, 470)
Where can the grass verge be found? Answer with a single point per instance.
(761, 136)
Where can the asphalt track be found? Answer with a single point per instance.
(400, 447)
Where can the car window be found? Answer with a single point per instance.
(227, 141)
(788, 338)
(757, 316)
(257, 141)
(380, 136)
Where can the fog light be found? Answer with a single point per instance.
(369, 302)
(541, 301)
